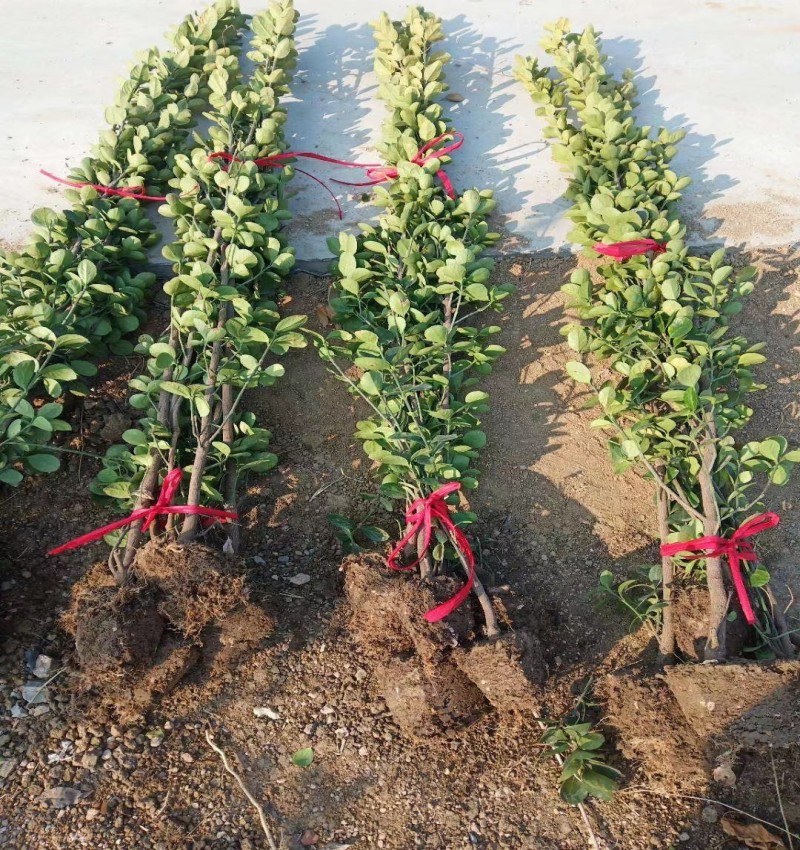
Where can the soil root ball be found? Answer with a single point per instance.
(653, 733)
(509, 670)
(748, 705)
(388, 611)
(185, 605)
(197, 585)
(428, 702)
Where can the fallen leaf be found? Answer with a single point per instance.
(304, 757)
(753, 835)
(454, 97)
(324, 315)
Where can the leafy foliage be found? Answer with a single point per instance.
(578, 747)
(407, 288)
(73, 294)
(662, 322)
(230, 258)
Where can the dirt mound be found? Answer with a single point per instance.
(509, 671)
(440, 676)
(185, 605)
(652, 732)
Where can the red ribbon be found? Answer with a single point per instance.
(127, 192)
(736, 548)
(421, 513)
(169, 488)
(377, 172)
(625, 250)
(381, 173)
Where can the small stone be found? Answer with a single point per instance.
(18, 711)
(39, 710)
(7, 767)
(115, 427)
(710, 814)
(724, 775)
(684, 836)
(361, 674)
(43, 667)
(327, 709)
(259, 561)
(91, 814)
(454, 97)
(61, 796)
(309, 838)
(187, 758)
(89, 760)
(34, 692)
(266, 711)
(363, 751)
(300, 579)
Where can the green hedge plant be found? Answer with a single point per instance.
(662, 322)
(225, 333)
(408, 290)
(76, 290)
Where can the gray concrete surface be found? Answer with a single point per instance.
(726, 71)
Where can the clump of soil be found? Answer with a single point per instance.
(745, 705)
(116, 629)
(197, 586)
(184, 605)
(690, 618)
(436, 677)
(652, 731)
(427, 701)
(509, 671)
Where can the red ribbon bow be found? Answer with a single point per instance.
(625, 250)
(169, 488)
(736, 548)
(127, 192)
(421, 513)
(376, 171)
(380, 173)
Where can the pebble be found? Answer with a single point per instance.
(361, 674)
(710, 814)
(43, 667)
(18, 711)
(187, 758)
(266, 711)
(684, 836)
(300, 579)
(61, 796)
(34, 693)
(327, 709)
(7, 767)
(91, 814)
(39, 710)
(309, 838)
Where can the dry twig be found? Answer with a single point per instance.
(245, 790)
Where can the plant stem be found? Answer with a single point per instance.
(191, 524)
(492, 629)
(666, 640)
(717, 594)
